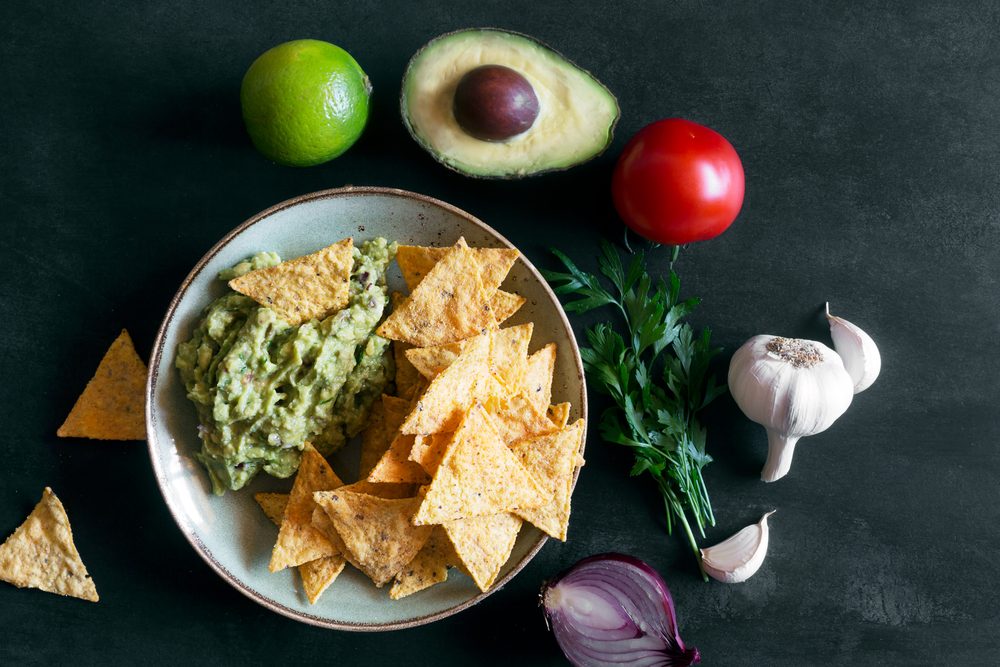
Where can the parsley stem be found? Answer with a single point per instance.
(654, 367)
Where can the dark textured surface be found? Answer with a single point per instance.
(870, 140)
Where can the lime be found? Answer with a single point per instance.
(305, 102)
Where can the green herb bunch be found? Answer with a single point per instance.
(655, 368)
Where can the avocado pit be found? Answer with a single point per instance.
(495, 103)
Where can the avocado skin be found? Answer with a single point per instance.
(485, 175)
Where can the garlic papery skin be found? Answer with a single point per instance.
(738, 558)
(793, 388)
(857, 349)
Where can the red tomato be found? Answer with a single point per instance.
(678, 182)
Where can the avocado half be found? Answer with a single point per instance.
(576, 112)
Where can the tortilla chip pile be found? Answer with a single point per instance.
(452, 466)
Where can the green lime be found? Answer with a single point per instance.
(305, 102)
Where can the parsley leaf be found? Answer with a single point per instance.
(655, 368)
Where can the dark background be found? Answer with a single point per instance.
(869, 136)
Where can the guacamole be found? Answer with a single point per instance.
(262, 387)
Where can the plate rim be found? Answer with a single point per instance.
(150, 418)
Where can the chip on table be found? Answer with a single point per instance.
(41, 553)
(112, 406)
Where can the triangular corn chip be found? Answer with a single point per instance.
(551, 460)
(448, 305)
(302, 289)
(377, 532)
(428, 567)
(450, 394)
(538, 378)
(395, 466)
(381, 490)
(406, 374)
(322, 522)
(112, 407)
(298, 542)
(559, 414)
(430, 361)
(505, 304)
(483, 544)
(428, 450)
(478, 476)
(387, 415)
(41, 554)
(316, 575)
(273, 504)
(517, 417)
(396, 410)
(374, 440)
(509, 355)
(416, 262)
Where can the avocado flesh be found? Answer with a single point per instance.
(576, 118)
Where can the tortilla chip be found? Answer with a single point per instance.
(551, 460)
(559, 414)
(317, 575)
(508, 356)
(428, 450)
(113, 405)
(395, 465)
(273, 504)
(374, 440)
(305, 288)
(406, 374)
(505, 304)
(516, 418)
(377, 532)
(381, 490)
(478, 476)
(416, 262)
(387, 414)
(483, 544)
(41, 554)
(322, 522)
(448, 305)
(538, 378)
(396, 409)
(430, 361)
(451, 393)
(428, 567)
(298, 542)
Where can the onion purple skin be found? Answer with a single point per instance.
(644, 630)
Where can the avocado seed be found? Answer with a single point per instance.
(494, 103)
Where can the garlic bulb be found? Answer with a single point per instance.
(793, 388)
(739, 557)
(857, 349)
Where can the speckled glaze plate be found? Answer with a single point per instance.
(231, 533)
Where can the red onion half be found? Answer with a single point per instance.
(613, 609)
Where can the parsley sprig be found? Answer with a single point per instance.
(655, 368)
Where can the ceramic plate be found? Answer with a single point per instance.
(230, 532)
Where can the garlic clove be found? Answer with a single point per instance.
(737, 558)
(859, 352)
